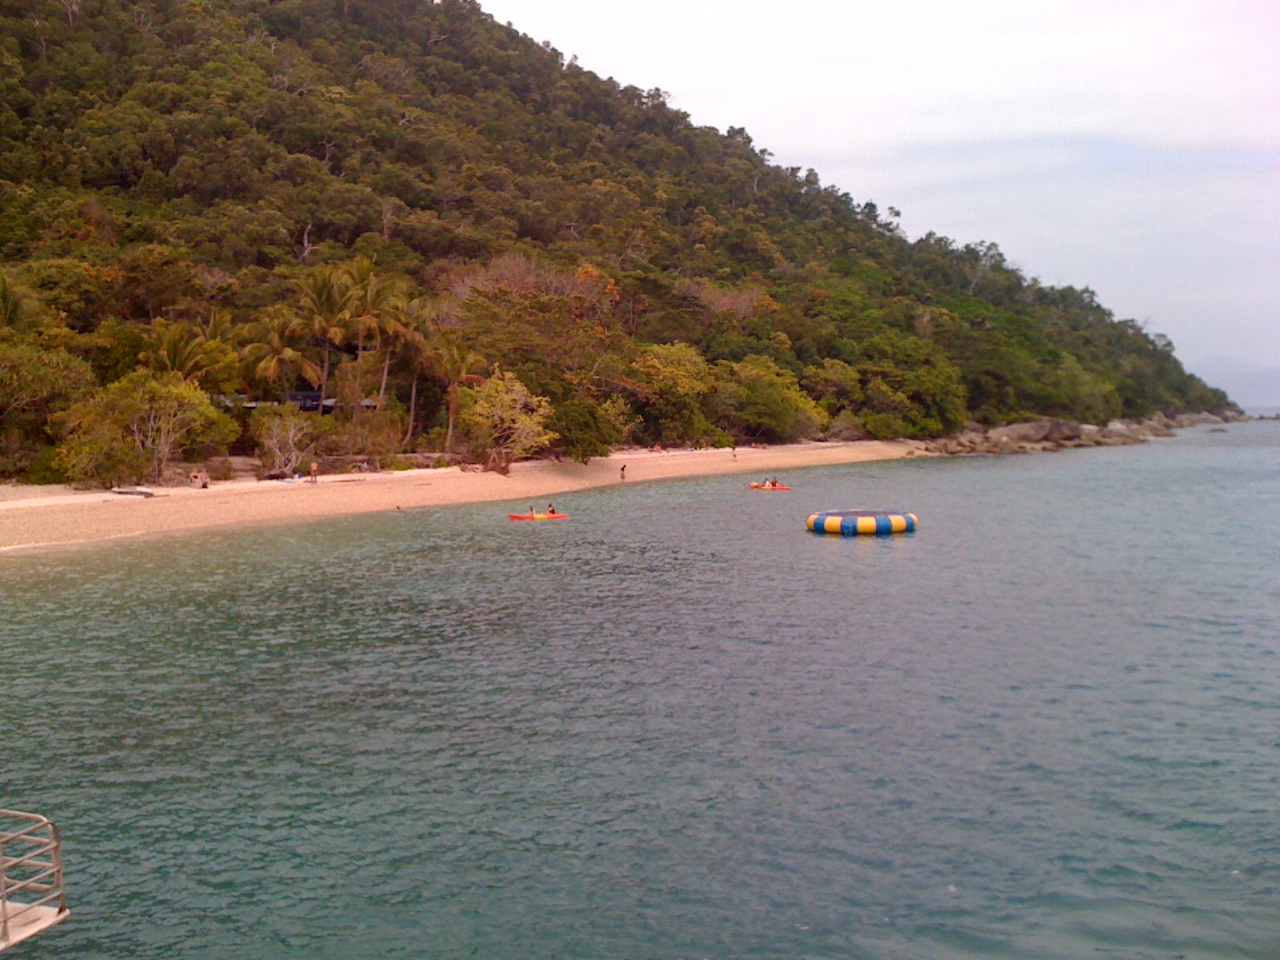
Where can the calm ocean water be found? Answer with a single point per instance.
(678, 726)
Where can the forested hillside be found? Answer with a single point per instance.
(453, 240)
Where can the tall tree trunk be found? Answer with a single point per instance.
(413, 411)
(453, 413)
(386, 367)
(324, 374)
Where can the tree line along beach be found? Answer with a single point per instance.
(296, 237)
(58, 515)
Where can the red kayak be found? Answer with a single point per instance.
(768, 486)
(538, 516)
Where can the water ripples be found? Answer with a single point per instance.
(1045, 726)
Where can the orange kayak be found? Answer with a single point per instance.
(768, 486)
(538, 516)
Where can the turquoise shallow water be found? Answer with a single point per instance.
(677, 725)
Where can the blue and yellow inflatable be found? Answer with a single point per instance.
(852, 523)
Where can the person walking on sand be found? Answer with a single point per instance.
(315, 473)
(622, 472)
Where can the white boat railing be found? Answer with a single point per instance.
(32, 895)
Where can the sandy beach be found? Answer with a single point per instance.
(42, 517)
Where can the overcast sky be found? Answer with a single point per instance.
(1131, 146)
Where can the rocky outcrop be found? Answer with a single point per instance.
(1021, 432)
(1051, 434)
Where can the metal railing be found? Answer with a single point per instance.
(32, 896)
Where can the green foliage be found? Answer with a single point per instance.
(194, 355)
(44, 469)
(762, 401)
(82, 292)
(404, 194)
(15, 308)
(675, 385)
(286, 435)
(910, 388)
(35, 378)
(504, 421)
(274, 354)
(368, 434)
(836, 385)
(131, 429)
(585, 429)
(36, 382)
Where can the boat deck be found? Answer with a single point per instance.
(31, 921)
(32, 896)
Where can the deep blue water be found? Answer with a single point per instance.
(1047, 725)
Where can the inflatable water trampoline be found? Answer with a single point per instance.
(851, 523)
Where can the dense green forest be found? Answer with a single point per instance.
(422, 222)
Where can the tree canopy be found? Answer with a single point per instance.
(387, 200)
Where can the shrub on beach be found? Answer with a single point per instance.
(129, 431)
(761, 400)
(44, 468)
(504, 422)
(373, 436)
(586, 430)
(285, 435)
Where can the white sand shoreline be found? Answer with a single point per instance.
(33, 518)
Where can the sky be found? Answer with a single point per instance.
(1128, 146)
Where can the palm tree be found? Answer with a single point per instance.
(195, 353)
(396, 328)
(418, 349)
(177, 349)
(371, 295)
(219, 325)
(454, 363)
(377, 311)
(272, 355)
(327, 299)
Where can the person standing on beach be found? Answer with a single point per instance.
(622, 472)
(315, 473)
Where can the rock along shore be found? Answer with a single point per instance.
(1051, 434)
